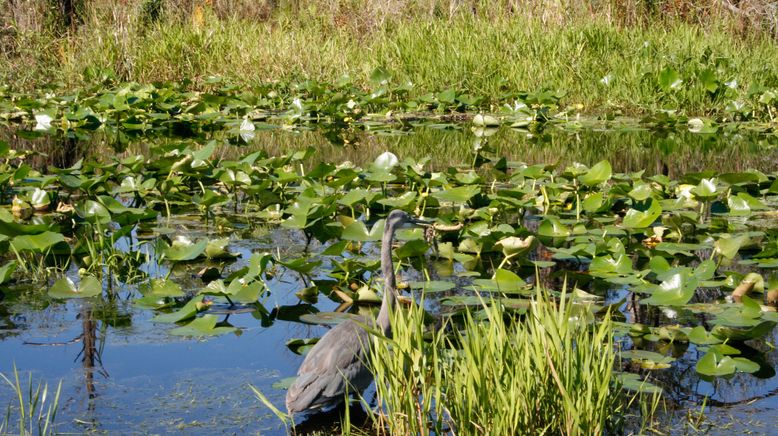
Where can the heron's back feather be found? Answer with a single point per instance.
(336, 362)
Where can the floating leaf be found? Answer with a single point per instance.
(513, 246)
(676, 290)
(64, 288)
(202, 326)
(183, 250)
(39, 243)
(700, 336)
(632, 382)
(93, 212)
(599, 173)
(460, 194)
(301, 346)
(503, 281)
(636, 219)
(485, 121)
(552, 227)
(189, 310)
(217, 249)
(432, 286)
(6, 271)
(165, 288)
(328, 318)
(728, 246)
(648, 359)
(715, 364)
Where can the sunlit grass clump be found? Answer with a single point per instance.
(546, 373)
(34, 410)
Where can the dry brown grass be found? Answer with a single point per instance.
(745, 15)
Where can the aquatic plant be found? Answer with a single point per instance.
(499, 372)
(35, 408)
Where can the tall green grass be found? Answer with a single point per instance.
(483, 48)
(35, 408)
(546, 374)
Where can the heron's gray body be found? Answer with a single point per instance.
(338, 362)
(345, 348)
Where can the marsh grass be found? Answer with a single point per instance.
(483, 48)
(35, 409)
(498, 374)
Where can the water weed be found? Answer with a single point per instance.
(35, 408)
(500, 372)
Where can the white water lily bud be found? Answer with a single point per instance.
(43, 122)
(387, 160)
(695, 125)
(247, 130)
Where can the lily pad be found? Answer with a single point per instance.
(637, 219)
(184, 250)
(39, 243)
(64, 288)
(202, 326)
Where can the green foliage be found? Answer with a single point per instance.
(35, 412)
(438, 61)
(549, 372)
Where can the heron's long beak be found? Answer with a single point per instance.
(420, 222)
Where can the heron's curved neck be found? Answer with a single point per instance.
(390, 286)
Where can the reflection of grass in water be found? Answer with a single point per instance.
(205, 401)
(627, 150)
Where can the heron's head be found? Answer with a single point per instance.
(398, 218)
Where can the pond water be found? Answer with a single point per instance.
(123, 372)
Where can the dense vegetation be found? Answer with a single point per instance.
(618, 282)
(609, 57)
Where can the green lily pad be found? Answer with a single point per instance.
(184, 250)
(39, 243)
(301, 346)
(189, 310)
(93, 212)
(715, 364)
(503, 281)
(636, 219)
(676, 290)
(399, 202)
(357, 231)
(460, 194)
(597, 174)
(328, 318)
(552, 227)
(728, 246)
(217, 249)
(761, 329)
(202, 326)
(632, 382)
(700, 336)
(6, 271)
(432, 286)
(648, 359)
(164, 288)
(64, 288)
(513, 246)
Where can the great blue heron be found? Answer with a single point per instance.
(338, 361)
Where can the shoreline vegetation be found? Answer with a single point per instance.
(602, 58)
